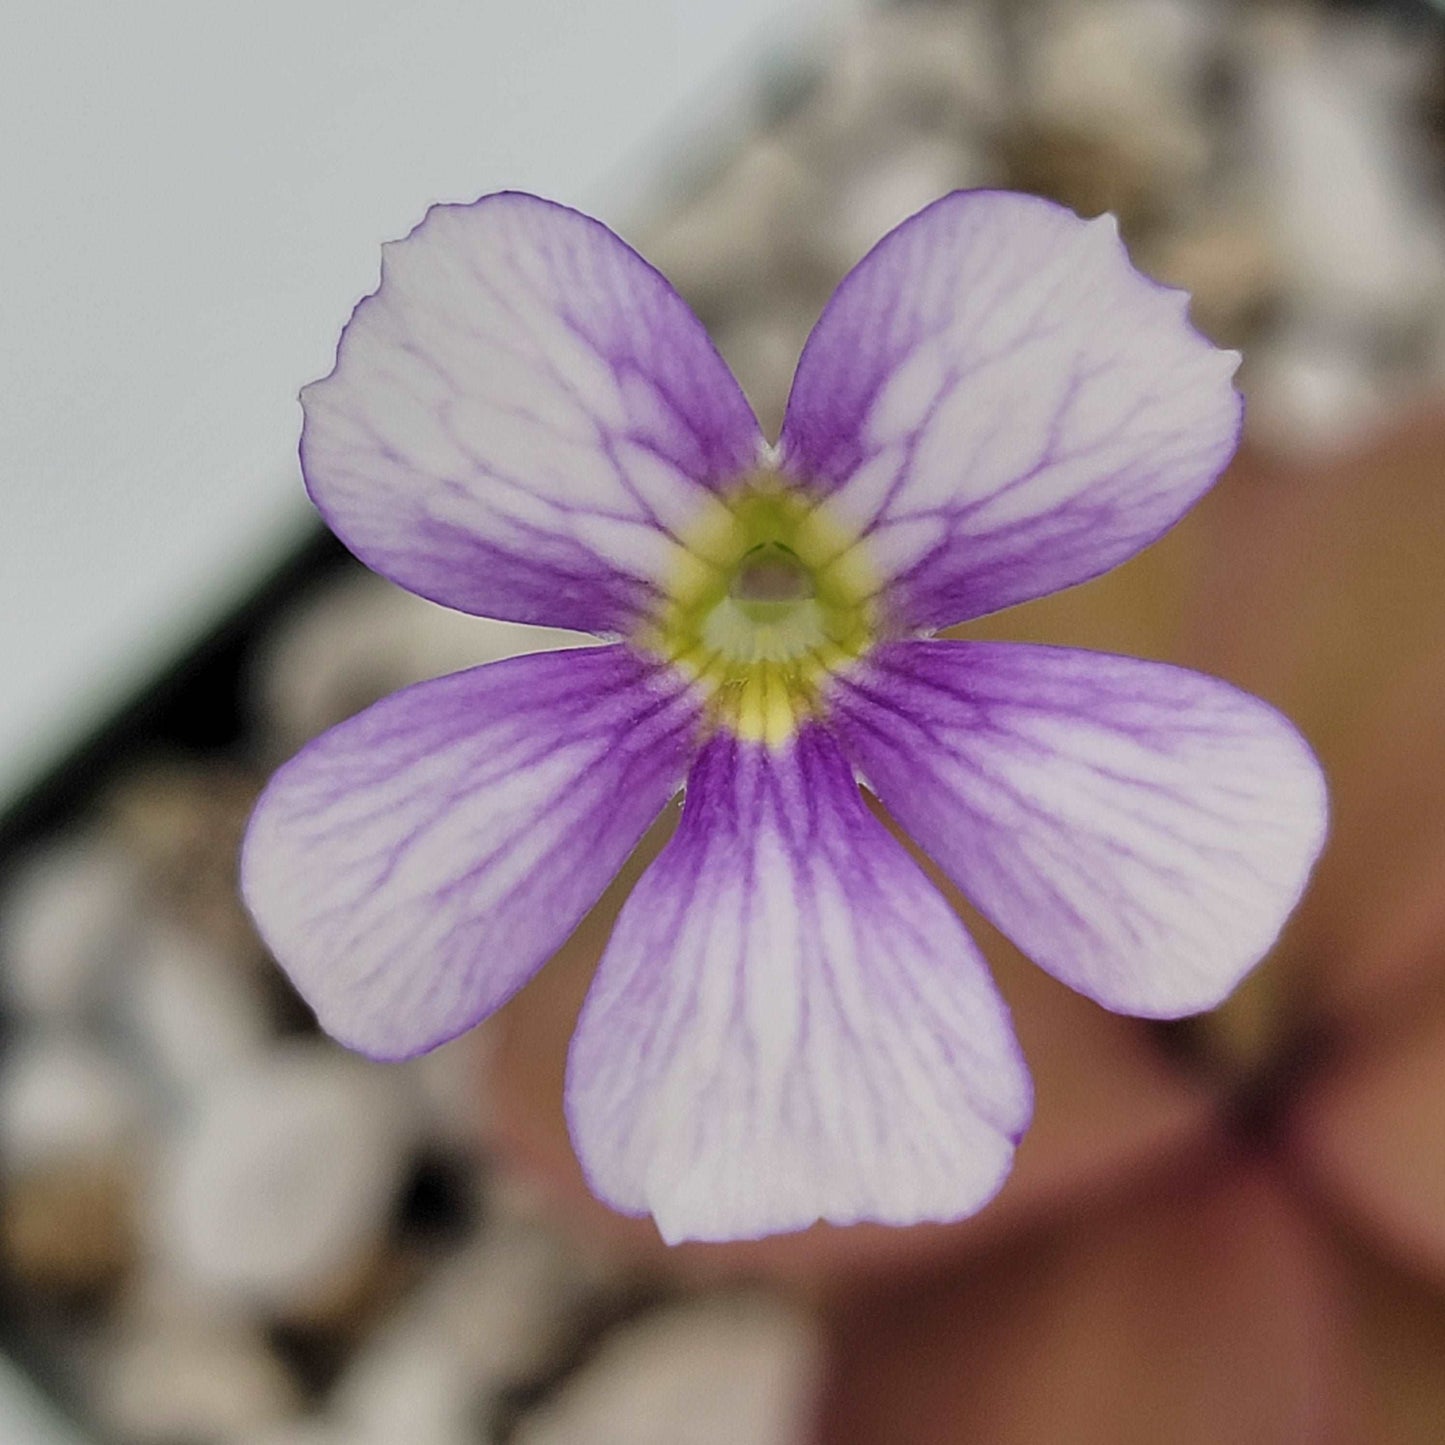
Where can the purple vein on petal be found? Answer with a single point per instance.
(1002, 406)
(789, 1022)
(1142, 831)
(523, 418)
(416, 865)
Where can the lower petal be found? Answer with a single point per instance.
(789, 1022)
(413, 867)
(1141, 831)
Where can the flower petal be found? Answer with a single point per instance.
(1141, 831)
(790, 1023)
(521, 416)
(414, 866)
(1003, 406)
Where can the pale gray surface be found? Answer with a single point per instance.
(24, 1418)
(194, 197)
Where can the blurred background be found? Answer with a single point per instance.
(217, 1228)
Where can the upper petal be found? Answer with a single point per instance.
(789, 1022)
(1003, 406)
(414, 866)
(520, 418)
(1140, 830)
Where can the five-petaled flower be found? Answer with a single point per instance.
(789, 1023)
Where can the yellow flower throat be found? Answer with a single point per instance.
(770, 598)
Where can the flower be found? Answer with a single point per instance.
(789, 1023)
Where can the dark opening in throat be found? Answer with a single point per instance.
(771, 572)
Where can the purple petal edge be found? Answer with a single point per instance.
(1140, 830)
(521, 417)
(789, 1022)
(414, 866)
(1004, 407)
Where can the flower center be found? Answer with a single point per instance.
(770, 598)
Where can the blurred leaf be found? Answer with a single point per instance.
(1371, 1136)
(1400, 1341)
(1206, 1312)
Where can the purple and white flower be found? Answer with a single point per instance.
(526, 422)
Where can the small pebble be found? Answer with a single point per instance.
(305, 1432)
(743, 234)
(711, 1372)
(936, 65)
(491, 1316)
(1230, 270)
(283, 1177)
(1107, 61)
(194, 1386)
(68, 1229)
(1339, 173)
(363, 638)
(409, 1386)
(762, 349)
(884, 188)
(490, 1320)
(66, 916)
(1110, 118)
(449, 1085)
(62, 1098)
(192, 1012)
(1312, 390)
(181, 822)
(72, 1123)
